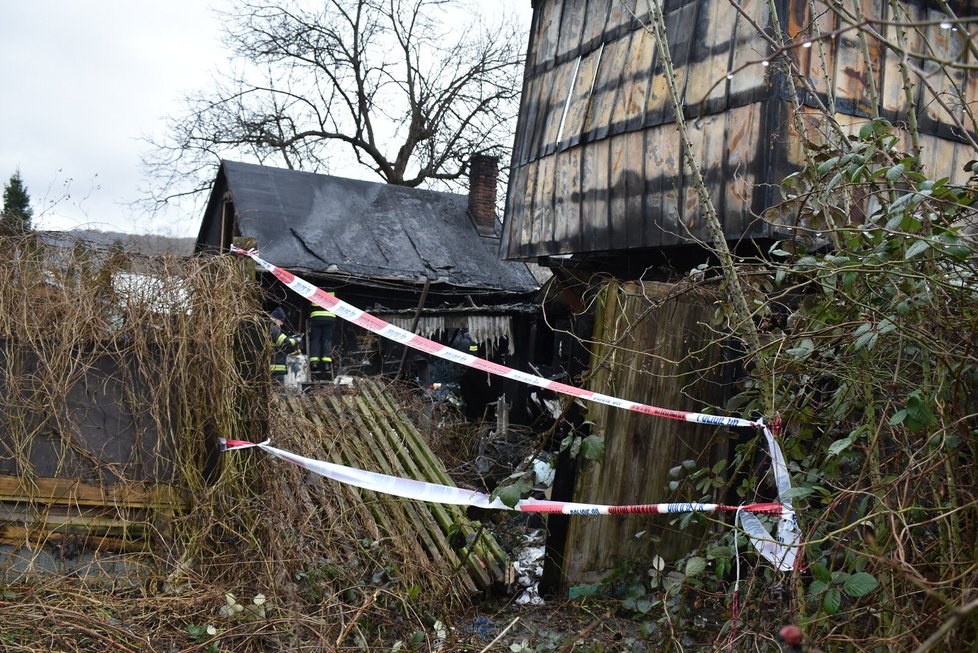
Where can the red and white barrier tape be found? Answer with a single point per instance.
(780, 551)
(447, 494)
(399, 335)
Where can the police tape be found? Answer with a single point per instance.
(385, 329)
(434, 493)
(780, 551)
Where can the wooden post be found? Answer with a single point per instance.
(651, 344)
(414, 323)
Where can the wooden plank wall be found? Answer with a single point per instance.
(651, 346)
(844, 79)
(593, 171)
(597, 165)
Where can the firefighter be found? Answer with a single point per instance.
(321, 325)
(282, 344)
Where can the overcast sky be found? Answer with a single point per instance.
(84, 82)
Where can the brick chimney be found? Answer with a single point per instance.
(483, 173)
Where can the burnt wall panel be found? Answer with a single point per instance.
(747, 77)
(688, 199)
(940, 95)
(601, 81)
(740, 174)
(711, 131)
(707, 137)
(658, 108)
(617, 193)
(515, 193)
(561, 95)
(567, 207)
(594, 196)
(580, 105)
(620, 16)
(893, 98)
(548, 93)
(546, 31)
(815, 58)
(634, 87)
(629, 182)
(526, 230)
(529, 106)
(710, 63)
(970, 107)
(543, 226)
(604, 91)
(596, 18)
(680, 27)
(572, 20)
(663, 161)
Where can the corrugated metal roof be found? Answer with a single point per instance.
(321, 223)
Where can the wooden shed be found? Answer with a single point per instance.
(599, 192)
(597, 164)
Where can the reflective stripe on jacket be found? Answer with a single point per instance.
(319, 311)
(285, 341)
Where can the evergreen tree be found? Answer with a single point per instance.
(17, 211)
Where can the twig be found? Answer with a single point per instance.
(941, 632)
(353, 622)
(569, 646)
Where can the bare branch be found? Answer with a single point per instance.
(410, 95)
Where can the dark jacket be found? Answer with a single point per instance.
(282, 345)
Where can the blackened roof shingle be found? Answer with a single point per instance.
(321, 223)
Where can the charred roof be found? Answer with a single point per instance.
(324, 224)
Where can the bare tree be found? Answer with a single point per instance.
(407, 89)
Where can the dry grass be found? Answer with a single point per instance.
(158, 366)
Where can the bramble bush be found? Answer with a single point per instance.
(871, 309)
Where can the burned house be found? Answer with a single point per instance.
(424, 260)
(599, 192)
